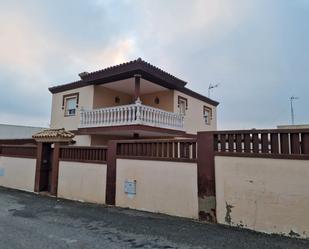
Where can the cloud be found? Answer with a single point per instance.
(174, 32)
(22, 46)
(95, 59)
(175, 20)
(255, 49)
(34, 57)
(26, 47)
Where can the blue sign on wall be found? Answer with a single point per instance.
(1, 171)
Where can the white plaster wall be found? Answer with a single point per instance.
(58, 120)
(161, 186)
(18, 173)
(166, 100)
(194, 120)
(82, 181)
(82, 140)
(268, 195)
(105, 97)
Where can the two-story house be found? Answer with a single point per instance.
(130, 100)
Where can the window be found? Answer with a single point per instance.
(182, 105)
(207, 114)
(70, 104)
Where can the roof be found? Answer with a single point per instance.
(128, 70)
(8, 131)
(53, 135)
(139, 65)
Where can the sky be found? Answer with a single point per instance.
(257, 50)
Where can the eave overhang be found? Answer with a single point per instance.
(124, 71)
(128, 70)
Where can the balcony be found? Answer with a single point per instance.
(134, 114)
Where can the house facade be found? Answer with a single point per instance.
(130, 100)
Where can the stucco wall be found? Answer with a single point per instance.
(166, 99)
(164, 187)
(194, 120)
(82, 140)
(97, 97)
(105, 97)
(268, 195)
(58, 120)
(82, 181)
(17, 173)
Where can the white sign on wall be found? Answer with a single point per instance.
(130, 187)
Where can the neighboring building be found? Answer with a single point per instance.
(133, 99)
(303, 126)
(18, 131)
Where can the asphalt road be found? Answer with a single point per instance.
(33, 221)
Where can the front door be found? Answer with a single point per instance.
(46, 168)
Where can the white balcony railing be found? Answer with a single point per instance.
(130, 115)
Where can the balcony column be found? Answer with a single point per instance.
(137, 99)
(137, 88)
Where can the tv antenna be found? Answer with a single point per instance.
(292, 98)
(211, 86)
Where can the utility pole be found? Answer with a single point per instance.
(292, 98)
(212, 87)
